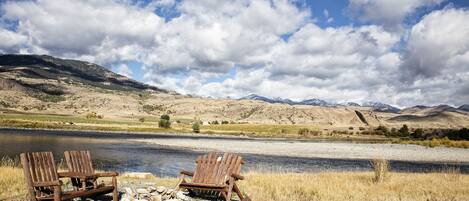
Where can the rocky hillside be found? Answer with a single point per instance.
(44, 84)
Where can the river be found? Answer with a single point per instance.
(161, 155)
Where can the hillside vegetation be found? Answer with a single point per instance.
(43, 91)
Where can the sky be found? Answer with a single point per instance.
(400, 52)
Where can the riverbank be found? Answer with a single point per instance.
(271, 131)
(149, 127)
(334, 150)
(196, 143)
(330, 186)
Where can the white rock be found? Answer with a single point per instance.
(160, 189)
(151, 189)
(156, 197)
(180, 195)
(142, 191)
(129, 192)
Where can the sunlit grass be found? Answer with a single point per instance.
(330, 186)
(436, 143)
(259, 129)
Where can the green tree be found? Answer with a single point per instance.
(165, 117)
(164, 121)
(418, 133)
(382, 130)
(196, 127)
(404, 131)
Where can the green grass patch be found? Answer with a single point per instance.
(259, 129)
(436, 143)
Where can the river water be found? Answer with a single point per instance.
(123, 153)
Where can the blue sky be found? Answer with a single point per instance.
(401, 52)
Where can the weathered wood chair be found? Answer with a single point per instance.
(43, 181)
(215, 175)
(83, 175)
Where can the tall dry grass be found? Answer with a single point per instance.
(449, 185)
(380, 168)
(12, 183)
(355, 186)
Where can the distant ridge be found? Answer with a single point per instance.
(73, 71)
(381, 107)
(315, 102)
(376, 106)
(464, 107)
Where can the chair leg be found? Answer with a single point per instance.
(114, 192)
(238, 192)
(230, 189)
(57, 193)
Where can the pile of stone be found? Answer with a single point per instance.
(151, 193)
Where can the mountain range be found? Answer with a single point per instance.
(47, 85)
(376, 106)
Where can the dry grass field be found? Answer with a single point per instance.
(330, 186)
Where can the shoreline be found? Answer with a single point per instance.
(146, 134)
(274, 147)
(325, 150)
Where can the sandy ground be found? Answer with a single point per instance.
(340, 150)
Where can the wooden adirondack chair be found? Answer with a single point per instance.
(43, 181)
(79, 164)
(215, 175)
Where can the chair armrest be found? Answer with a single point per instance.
(47, 183)
(76, 175)
(106, 174)
(187, 173)
(237, 176)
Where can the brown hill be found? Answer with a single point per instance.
(43, 84)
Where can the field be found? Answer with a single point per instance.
(184, 125)
(330, 186)
(150, 124)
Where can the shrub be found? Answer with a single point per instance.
(196, 127)
(350, 128)
(404, 131)
(225, 122)
(418, 133)
(303, 132)
(93, 115)
(214, 122)
(381, 169)
(165, 117)
(461, 134)
(164, 121)
(4, 104)
(382, 130)
(151, 108)
(141, 119)
(361, 128)
(49, 98)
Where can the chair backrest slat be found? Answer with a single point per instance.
(79, 161)
(39, 167)
(215, 169)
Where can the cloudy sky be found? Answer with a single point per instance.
(401, 52)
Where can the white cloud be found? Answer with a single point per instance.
(389, 13)
(124, 70)
(326, 15)
(83, 28)
(436, 58)
(207, 39)
(10, 40)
